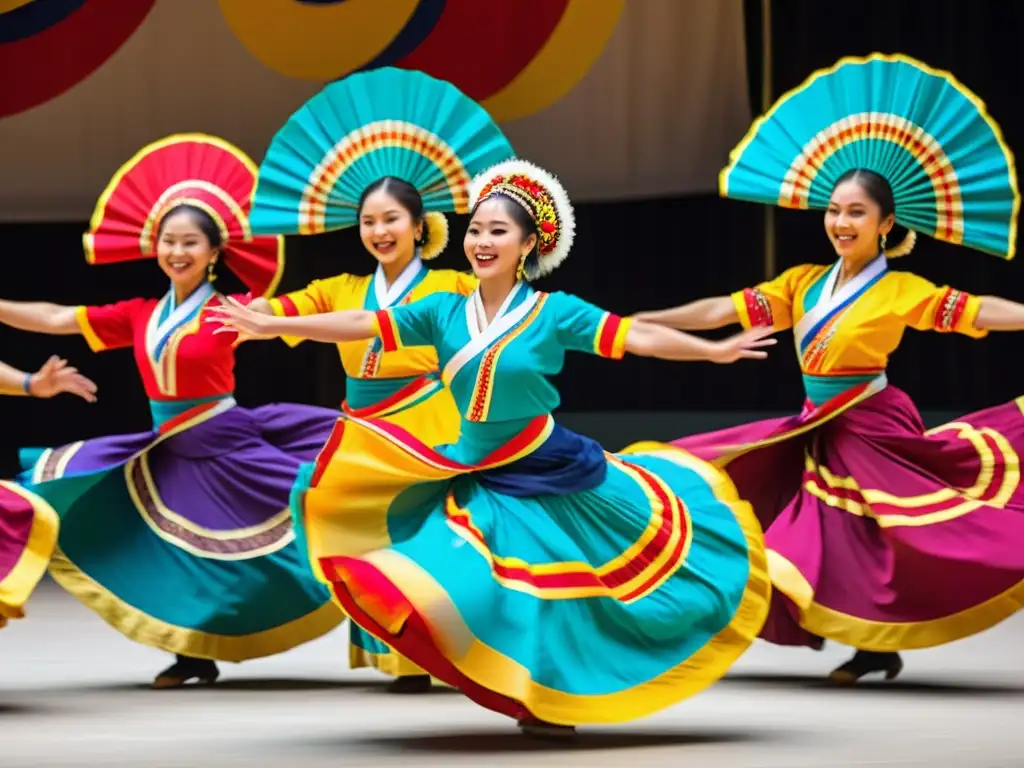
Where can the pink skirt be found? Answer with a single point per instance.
(881, 535)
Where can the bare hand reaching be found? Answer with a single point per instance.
(746, 345)
(56, 377)
(234, 317)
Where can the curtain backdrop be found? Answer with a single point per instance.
(655, 114)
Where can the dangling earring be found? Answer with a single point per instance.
(521, 271)
(210, 276)
(883, 243)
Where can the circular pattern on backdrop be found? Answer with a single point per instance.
(421, 24)
(54, 45)
(318, 40)
(578, 40)
(24, 19)
(9, 5)
(533, 51)
(508, 33)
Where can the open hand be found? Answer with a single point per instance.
(56, 377)
(748, 344)
(234, 317)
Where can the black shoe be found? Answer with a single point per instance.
(410, 684)
(541, 729)
(186, 669)
(865, 663)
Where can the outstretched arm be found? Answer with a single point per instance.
(331, 327)
(318, 297)
(766, 304)
(925, 306)
(52, 379)
(700, 315)
(588, 328)
(650, 340)
(40, 317)
(998, 314)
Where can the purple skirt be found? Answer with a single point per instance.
(184, 540)
(880, 534)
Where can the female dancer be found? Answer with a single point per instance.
(880, 535)
(401, 387)
(180, 537)
(547, 579)
(28, 525)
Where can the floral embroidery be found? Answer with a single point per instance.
(950, 311)
(759, 308)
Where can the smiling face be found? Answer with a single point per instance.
(854, 222)
(387, 228)
(496, 240)
(184, 250)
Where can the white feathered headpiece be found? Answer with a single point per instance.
(543, 197)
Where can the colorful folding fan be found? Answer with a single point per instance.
(382, 122)
(951, 173)
(203, 171)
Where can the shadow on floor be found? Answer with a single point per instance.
(12, 709)
(818, 683)
(247, 685)
(292, 684)
(510, 740)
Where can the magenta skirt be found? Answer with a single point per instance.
(882, 535)
(28, 534)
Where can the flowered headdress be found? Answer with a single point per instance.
(542, 196)
(194, 169)
(951, 173)
(368, 126)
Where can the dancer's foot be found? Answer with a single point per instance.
(186, 669)
(865, 663)
(541, 729)
(410, 684)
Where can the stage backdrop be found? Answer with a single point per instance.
(622, 99)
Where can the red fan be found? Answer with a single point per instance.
(192, 168)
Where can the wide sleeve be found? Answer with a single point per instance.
(109, 326)
(770, 304)
(924, 306)
(416, 324)
(317, 298)
(583, 327)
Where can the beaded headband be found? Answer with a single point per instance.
(542, 196)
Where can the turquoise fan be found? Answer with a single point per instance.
(952, 175)
(384, 122)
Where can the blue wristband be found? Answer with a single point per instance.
(27, 386)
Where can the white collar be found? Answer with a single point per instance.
(388, 296)
(476, 315)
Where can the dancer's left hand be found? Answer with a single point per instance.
(748, 345)
(55, 377)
